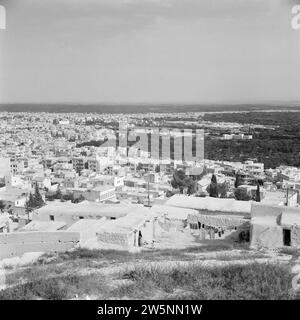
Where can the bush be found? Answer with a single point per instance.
(242, 195)
(51, 289)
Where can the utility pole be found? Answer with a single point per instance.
(148, 190)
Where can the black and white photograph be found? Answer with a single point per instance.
(149, 151)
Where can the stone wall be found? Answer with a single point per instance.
(266, 236)
(120, 239)
(17, 243)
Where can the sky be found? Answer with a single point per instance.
(149, 51)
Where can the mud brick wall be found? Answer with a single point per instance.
(17, 243)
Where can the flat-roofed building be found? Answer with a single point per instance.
(78, 164)
(98, 194)
(70, 212)
(274, 226)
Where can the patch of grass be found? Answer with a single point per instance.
(56, 288)
(68, 280)
(77, 273)
(216, 245)
(254, 281)
(125, 256)
(84, 254)
(242, 256)
(53, 289)
(31, 274)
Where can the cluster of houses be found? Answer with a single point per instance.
(60, 226)
(239, 136)
(94, 197)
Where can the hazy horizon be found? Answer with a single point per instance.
(179, 103)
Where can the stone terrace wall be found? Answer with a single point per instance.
(17, 243)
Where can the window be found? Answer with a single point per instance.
(286, 237)
(51, 218)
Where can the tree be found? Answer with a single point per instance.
(177, 181)
(58, 193)
(223, 189)
(169, 194)
(2, 206)
(77, 200)
(38, 199)
(213, 187)
(181, 181)
(241, 194)
(237, 181)
(30, 204)
(139, 167)
(192, 187)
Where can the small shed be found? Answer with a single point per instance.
(87, 228)
(128, 232)
(275, 226)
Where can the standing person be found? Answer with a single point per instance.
(140, 239)
(219, 232)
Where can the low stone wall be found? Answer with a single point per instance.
(17, 243)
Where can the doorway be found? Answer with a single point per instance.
(286, 237)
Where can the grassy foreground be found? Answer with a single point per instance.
(107, 275)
